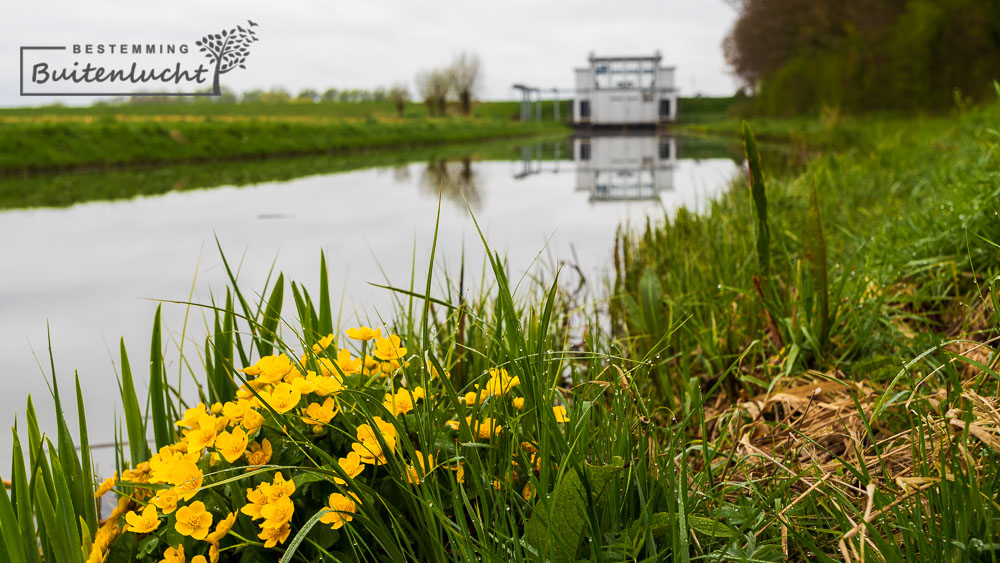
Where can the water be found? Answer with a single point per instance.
(91, 273)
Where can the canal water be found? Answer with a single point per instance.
(90, 272)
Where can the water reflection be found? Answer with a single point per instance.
(624, 167)
(457, 181)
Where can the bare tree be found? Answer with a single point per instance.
(433, 87)
(399, 95)
(227, 50)
(464, 73)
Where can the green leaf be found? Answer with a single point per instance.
(269, 325)
(759, 200)
(710, 527)
(157, 388)
(325, 314)
(557, 526)
(815, 248)
(86, 484)
(10, 532)
(137, 446)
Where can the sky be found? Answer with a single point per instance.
(314, 44)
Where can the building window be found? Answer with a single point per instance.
(584, 151)
(665, 149)
(585, 109)
(625, 74)
(664, 108)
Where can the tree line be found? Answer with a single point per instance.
(458, 81)
(862, 55)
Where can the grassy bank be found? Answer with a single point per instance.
(30, 145)
(840, 326)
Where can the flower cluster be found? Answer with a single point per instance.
(253, 466)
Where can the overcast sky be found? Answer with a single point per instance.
(371, 43)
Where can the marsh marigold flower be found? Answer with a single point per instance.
(323, 344)
(500, 382)
(193, 520)
(342, 509)
(259, 454)
(142, 523)
(174, 555)
(351, 465)
(106, 485)
(368, 446)
(560, 412)
(221, 529)
(317, 415)
(364, 333)
(166, 500)
(269, 369)
(232, 445)
(403, 400)
(390, 348)
(274, 536)
(283, 399)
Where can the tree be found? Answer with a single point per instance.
(465, 74)
(433, 87)
(227, 50)
(307, 95)
(330, 95)
(399, 95)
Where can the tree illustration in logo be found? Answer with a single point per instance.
(228, 50)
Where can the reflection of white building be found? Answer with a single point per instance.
(624, 91)
(626, 167)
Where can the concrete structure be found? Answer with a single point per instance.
(626, 167)
(624, 92)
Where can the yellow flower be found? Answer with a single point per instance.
(283, 399)
(252, 421)
(274, 536)
(487, 428)
(280, 488)
(256, 499)
(259, 454)
(144, 523)
(187, 477)
(106, 485)
(174, 555)
(528, 491)
(347, 364)
(323, 344)
(317, 414)
(193, 520)
(342, 509)
(236, 411)
(326, 384)
(191, 416)
(500, 382)
(389, 348)
(203, 434)
(368, 446)
(402, 401)
(518, 403)
(277, 513)
(166, 500)
(415, 476)
(232, 445)
(364, 333)
(351, 465)
(560, 413)
(222, 528)
(269, 369)
(303, 385)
